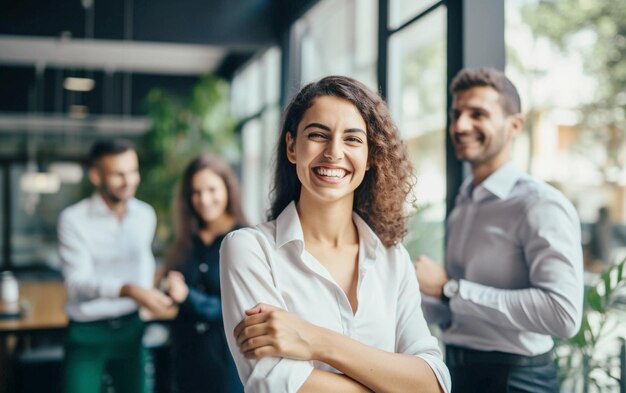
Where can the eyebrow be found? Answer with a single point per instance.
(468, 107)
(326, 128)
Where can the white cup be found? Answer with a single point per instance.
(9, 288)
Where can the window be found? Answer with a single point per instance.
(338, 37)
(571, 80)
(574, 99)
(417, 99)
(33, 216)
(401, 11)
(255, 102)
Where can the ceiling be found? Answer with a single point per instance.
(127, 47)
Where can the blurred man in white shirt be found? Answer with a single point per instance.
(108, 266)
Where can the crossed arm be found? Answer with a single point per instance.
(270, 331)
(279, 351)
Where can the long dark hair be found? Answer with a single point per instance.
(187, 222)
(380, 198)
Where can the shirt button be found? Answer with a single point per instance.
(202, 327)
(203, 267)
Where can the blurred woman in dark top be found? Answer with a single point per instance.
(207, 208)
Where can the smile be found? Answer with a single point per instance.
(463, 139)
(337, 173)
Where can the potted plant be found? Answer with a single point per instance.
(181, 128)
(593, 360)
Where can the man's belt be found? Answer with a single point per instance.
(458, 357)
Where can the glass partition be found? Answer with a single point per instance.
(570, 77)
(568, 58)
(417, 99)
(339, 37)
(34, 215)
(255, 102)
(401, 11)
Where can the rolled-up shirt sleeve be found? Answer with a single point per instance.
(412, 334)
(246, 279)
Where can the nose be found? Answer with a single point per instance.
(334, 150)
(125, 180)
(205, 197)
(462, 123)
(130, 179)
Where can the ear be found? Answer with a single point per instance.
(291, 148)
(94, 176)
(516, 124)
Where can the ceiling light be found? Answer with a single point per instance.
(40, 183)
(68, 172)
(79, 84)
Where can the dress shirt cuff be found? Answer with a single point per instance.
(110, 289)
(467, 290)
(278, 375)
(439, 368)
(473, 297)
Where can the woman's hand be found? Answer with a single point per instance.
(270, 331)
(176, 286)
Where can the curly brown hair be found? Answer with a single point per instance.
(380, 198)
(187, 222)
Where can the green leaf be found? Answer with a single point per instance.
(606, 279)
(580, 340)
(594, 300)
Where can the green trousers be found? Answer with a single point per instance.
(113, 346)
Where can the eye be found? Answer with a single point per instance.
(478, 114)
(354, 139)
(317, 136)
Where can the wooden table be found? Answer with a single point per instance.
(43, 312)
(44, 301)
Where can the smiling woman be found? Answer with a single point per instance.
(207, 208)
(331, 153)
(322, 298)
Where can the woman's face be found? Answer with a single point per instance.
(209, 196)
(330, 151)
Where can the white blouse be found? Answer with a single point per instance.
(269, 264)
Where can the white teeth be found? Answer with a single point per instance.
(467, 138)
(330, 172)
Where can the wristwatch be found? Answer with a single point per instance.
(450, 290)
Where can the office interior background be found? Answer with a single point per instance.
(181, 77)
